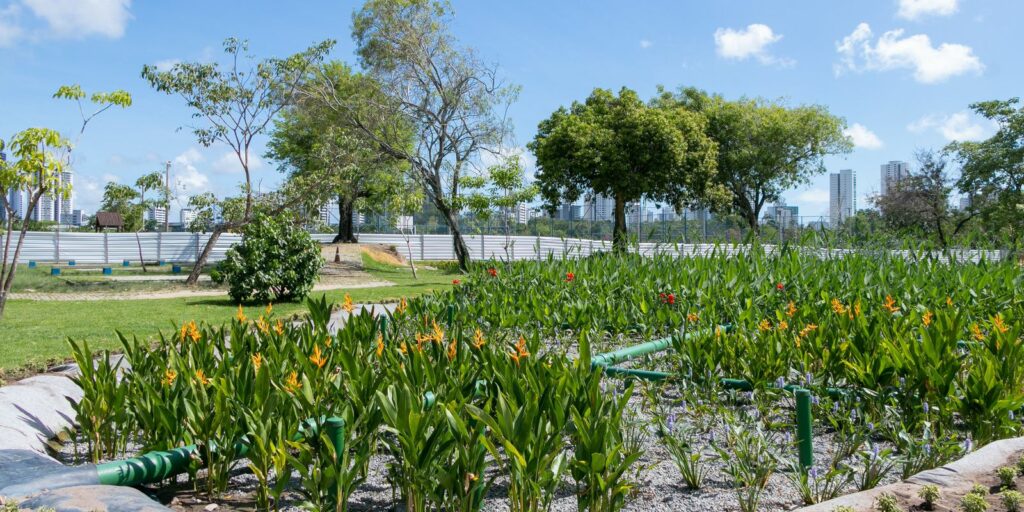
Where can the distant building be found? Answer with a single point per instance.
(329, 215)
(782, 215)
(842, 196)
(15, 199)
(965, 203)
(186, 217)
(893, 173)
(667, 214)
(157, 214)
(77, 218)
(599, 208)
(65, 207)
(569, 211)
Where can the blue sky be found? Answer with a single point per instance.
(901, 72)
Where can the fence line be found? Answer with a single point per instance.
(113, 248)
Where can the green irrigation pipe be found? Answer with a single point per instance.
(159, 465)
(804, 433)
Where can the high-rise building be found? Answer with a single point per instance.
(186, 216)
(17, 201)
(77, 218)
(965, 203)
(892, 173)
(842, 196)
(65, 207)
(600, 207)
(156, 214)
(521, 213)
(569, 211)
(44, 210)
(782, 214)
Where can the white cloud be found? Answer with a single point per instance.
(80, 18)
(813, 196)
(9, 29)
(185, 173)
(862, 137)
(752, 41)
(228, 163)
(931, 64)
(645, 44)
(960, 126)
(914, 9)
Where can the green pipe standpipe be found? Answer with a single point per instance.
(804, 422)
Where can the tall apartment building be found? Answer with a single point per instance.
(842, 196)
(16, 200)
(65, 207)
(156, 214)
(186, 216)
(892, 173)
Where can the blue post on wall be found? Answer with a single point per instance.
(71, 263)
(108, 271)
(54, 271)
(126, 263)
(175, 269)
(31, 263)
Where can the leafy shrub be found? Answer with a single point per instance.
(1006, 476)
(275, 261)
(1012, 500)
(887, 503)
(973, 502)
(929, 493)
(978, 489)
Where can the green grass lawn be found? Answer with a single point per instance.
(33, 333)
(89, 279)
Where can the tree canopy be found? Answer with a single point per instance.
(992, 170)
(327, 157)
(764, 147)
(620, 147)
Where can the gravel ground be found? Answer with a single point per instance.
(659, 484)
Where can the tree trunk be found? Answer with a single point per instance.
(619, 236)
(461, 251)
(142, 261)
(8, 279)
(408, 249)
(346, 232)
(193, 277)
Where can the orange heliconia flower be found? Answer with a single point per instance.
(240, 316)
(453, 349)
(999, 324)
(809, 328)
(169, 376)
(890, 305)
(692, 318)
(380, 345)
(401, 306)
(262, 325)
(838, 307)
(438, 333)
(279, 328)
(949, 301)
(291, 384)
(478, 339)
(403, 348)
(976, 333)
(270, 309)
(764, 326)
(783, 325)
(927, 318)
(347, 304)
(318, 357)
(257, 361)
(790, 309)
(202, 378)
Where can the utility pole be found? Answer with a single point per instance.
(167, 196)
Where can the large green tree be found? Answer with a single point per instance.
(327, 157)
(234, 104)
(453, 100)
(764, 147)
(623, 148)
(992, 170)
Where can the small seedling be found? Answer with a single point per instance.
(930, 494)
(887, 503)
(1006, 475)
(979, 489)
(973, 502)
(1012, 500)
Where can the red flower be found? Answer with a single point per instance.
(569, 276)
(671, 299)
(662, 296)
(456, 281)
(779, 287)
(493, 272)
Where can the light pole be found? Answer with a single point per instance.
(167, 196)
